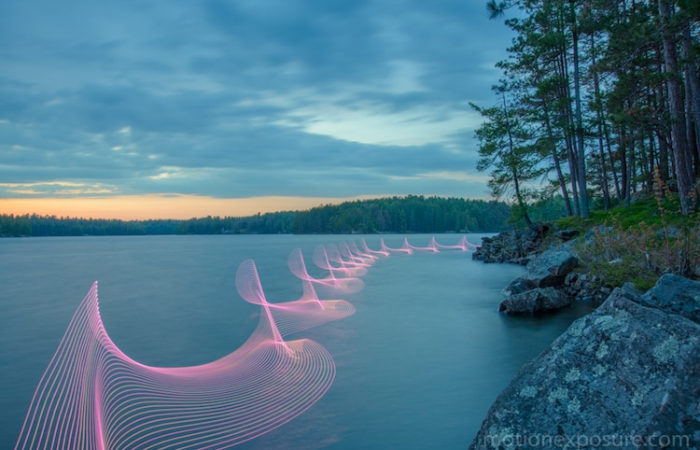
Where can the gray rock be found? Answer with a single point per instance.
(535, 301)
(518, 286)
(512, 245)
(551, 268)
(571, 278)
(631, 290)
(568, 234)
(621, 374)
(675, 295)
(522, 261)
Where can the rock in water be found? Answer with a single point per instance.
(626, 376)
(535, 301)
(551, 267)
(548, 269)
(514, 246)
(518, 286)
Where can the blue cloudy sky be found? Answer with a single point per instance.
(242, 99)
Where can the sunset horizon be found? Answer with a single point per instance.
(164, 206)
(173, 206)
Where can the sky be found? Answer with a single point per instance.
(153, 109)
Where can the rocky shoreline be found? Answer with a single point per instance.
(625, 376)
(549, 256)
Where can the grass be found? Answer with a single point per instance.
(638, 243)
(643, 210)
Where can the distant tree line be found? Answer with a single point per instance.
(599, 97)
(11, 225)
(268, 223)
(411, 214)
(36, 225)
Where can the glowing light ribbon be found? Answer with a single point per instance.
(463, 245)
(405, 249)
(93, 396)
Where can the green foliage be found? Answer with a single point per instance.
(11, 225)
(644, 210)
(69, 226)
(507, 148)
(548, 209)
(619, 255)
(605, 93)
(641, 242)
(410, 214)
(269, 223)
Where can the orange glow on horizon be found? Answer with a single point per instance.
(144, 207)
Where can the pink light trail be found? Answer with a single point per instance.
(93, 396)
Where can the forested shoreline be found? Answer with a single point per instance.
(599, 98)
(410, 214)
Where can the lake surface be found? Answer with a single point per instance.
(418, 365)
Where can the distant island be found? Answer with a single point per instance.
(409, 214)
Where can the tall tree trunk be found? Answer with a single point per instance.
(581, 151)
(684, 172)
(645, 172)
(692, 96)
(608, 147)
(599, 119)
(572, 174)
(631, 166)
(652, 158)
(625, 184)
(564, 96)
(567, 125)
(555, 157)
(661, 134)
(516, 181)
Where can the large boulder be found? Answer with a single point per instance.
(675, 295)
(518, 286)
(514, 246)
(626, 376)
(548, 269)
(535, 301)
(551, 267)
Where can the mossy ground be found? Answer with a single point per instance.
(638, 243)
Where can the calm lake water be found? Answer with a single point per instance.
(418, 365)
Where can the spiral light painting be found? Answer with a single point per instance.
(93, 396)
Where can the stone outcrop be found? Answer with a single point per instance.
(551, 267)
(526, 247)
(534, 292)
(582, 286)
(548, 269)
(514, 246)
(535, 301)
(675, 295)
(518, 286)
(626, 376)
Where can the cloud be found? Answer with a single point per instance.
(243, 98)
(54, 188)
